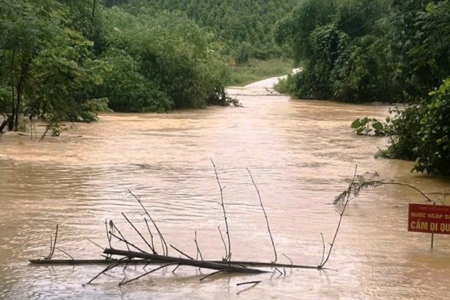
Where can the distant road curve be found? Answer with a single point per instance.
(269, 82)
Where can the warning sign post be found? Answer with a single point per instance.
(429, 219)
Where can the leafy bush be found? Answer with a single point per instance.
(418, 132)
(127, 89)
(433, 151)
(368, 126)
(402, 130)
(361, 73)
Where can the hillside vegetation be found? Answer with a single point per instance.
(67, 60)
(379, 50)
(244, 28)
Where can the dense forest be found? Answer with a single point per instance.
(245, 28)
(67, 60)
(384, 51)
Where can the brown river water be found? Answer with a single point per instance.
(301, 154)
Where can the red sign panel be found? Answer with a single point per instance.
(429, 218)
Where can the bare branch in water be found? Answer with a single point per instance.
(163, 241)
(209, 275)
(253, 284)
(145, 274)
(347, 194)
(110, 267)
(137, 231)
(265, 216)
(226, 265)
(224, 245)
(65, 253)
(151, 235)
(198, 248)
(127, 243)
(181, 252)
(52, 244)
(410, 186)
(228, 256)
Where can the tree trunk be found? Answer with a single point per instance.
(20, 85)
(3, 125)
(13, 95)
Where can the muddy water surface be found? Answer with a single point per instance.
(301, 155)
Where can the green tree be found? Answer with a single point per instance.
(296, 28)
(47, 66)
(63, 79)
(420, 37)
(174, 61)
(25, 29)
(232, 22)
(433, 150)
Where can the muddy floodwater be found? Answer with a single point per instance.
(301, 154)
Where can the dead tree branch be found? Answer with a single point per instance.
(163, 241)
(182, 261)
(347, 197)
(199, 253)
(110, 267)
(181, 252)
(265, 216)
(151, 235)
(127, 243)
(52, 244)
(410, 186)
(135, 255)
(228, 255)
(145, 274)
(137, 231)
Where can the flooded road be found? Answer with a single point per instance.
(301, 155)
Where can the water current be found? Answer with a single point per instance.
(300, 153)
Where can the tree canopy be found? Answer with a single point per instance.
(244, 28)
(387, 51)
(67, 60)
(363, 51)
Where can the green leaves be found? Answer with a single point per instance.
(48, 66)
(433, 151)
(297, 27)
(159, 62)
(368, 126)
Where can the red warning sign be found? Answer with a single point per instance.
(429, 218)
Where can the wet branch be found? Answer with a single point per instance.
(265, 215)
(137, 231)
(52, 244)
(199, 253)
(163, 241)
(183, 261)
(228, 254)
(135, 255)
(348, 193)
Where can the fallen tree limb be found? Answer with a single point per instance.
(224, 266)
(155, 262)
(85, 261)
(132, 254)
